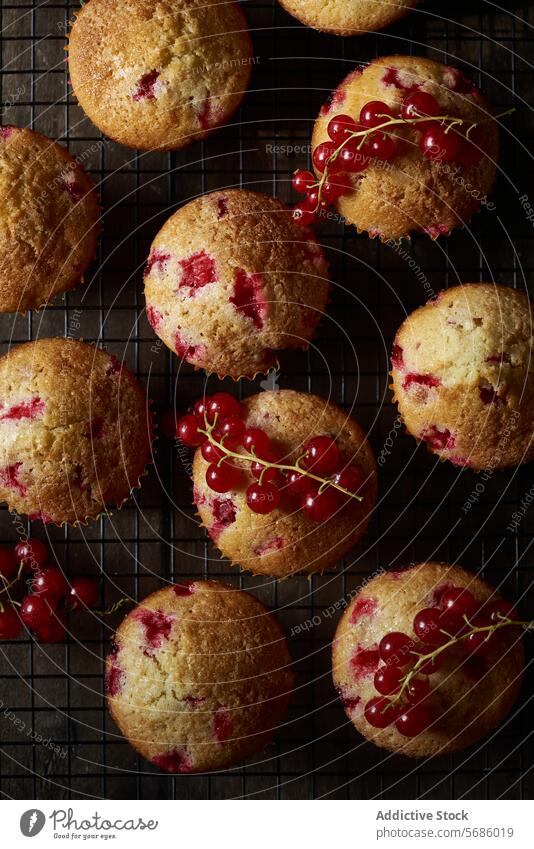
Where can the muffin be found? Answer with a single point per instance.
(453, 699)
(74, 431)
(419, 176)
(198, 677)
(158, 75)
(296, 531)
(463, 376)
(231, 279)
(348, 17)
(48, 220)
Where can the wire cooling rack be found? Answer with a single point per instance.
(56, 738)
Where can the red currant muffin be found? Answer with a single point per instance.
(158, 75)
(74, 431)
(284, 482)
(463, 376)
(404, 144)
(231, 279)
(198, 677)
(48, 220)
(425, 660)
(348, 17)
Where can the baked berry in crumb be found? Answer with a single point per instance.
(48, 220)
(413, 673)
(74, 431)
(280, 522)
(198, 677)
(463, 376)
(414, 173)
(157, 75)
(348, 17)
(231, 279)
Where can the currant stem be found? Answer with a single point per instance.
(14, 581)
(425, 658)
(252, 458)
(114, 607)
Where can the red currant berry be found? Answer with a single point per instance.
(388, 679)
(375, 113)
(321, 156)
(187, 431)
(302, 215)
(256, 441)
(50, 582)
(302, 181)
(418, 690)
(432, 664)
(382, 146)
(352, 158)
(32, 552)
(10, 624)
(396, 648)
(83, 592)
(36, 611)
(414, 721)
(427, 626)
(297, 484)
(8, 563)
(459, 602)
(496, 611)
(380, 712)
(321, 506)
(200, 409)
(340, 128)
(54, 631)
(263, 497)
(231, 432)
(267, 474)
(222, 405)
(223, 476)
(349, 478)
(438, 145)
(321, 455)
(419, 104)
(335, 187)
(211, 453)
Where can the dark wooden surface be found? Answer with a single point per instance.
(56, 691)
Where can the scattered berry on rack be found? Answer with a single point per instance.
(36, 594)
(321, 482)
(404, 681)
(354, 144)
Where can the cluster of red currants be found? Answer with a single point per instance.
(49, 597)
(353, 145)
(320, 482)
(403, 679)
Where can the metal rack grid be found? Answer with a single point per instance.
(56, 691)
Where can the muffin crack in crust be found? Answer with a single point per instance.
(215, 690)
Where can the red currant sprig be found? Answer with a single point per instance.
(319, 480)
(49, 596)
(403, 679)
(353, 145)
